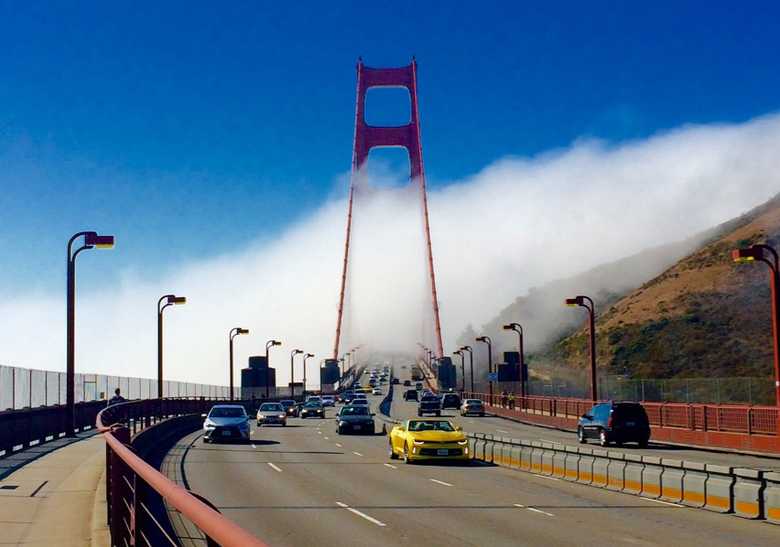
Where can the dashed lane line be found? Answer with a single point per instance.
(357, 453)
(360, 514)
(274, 467)
(662, 502)
(391, 466)
(502, 431)
(545, 477)
(440, 482)
(340, 445)
(535, 510)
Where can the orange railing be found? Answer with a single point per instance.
(132, 483)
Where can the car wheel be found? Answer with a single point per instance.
(603, 439)
(206, 440)
(643, 443)
(581, 436)
(259, 424)
(392, 454)
(407, 459)
(438, 413)
(419, 413)
(481, 414)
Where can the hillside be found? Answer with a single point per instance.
(704, 316)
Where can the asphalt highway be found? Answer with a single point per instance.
(306, 485)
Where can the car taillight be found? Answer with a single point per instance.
(609, 422)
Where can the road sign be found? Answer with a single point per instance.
(492, 377)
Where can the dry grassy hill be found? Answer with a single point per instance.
(703, 316)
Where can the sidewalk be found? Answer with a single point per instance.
(58, 499)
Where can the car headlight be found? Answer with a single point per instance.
(282, 415)
(342, 423)
(208, 425)
(418, 443)
(261, 416)
(464, 442)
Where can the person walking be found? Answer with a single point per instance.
(116, 399)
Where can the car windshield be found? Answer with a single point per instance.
(313, 404)
(430, 425)
(271, 407)
(429, 399)
(473, 402)
(226, 412)
(360, 402)
(287, 402)
(354, 411)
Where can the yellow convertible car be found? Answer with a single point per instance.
(428, 439)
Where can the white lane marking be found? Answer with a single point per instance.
(549, 441)
(545, 477)
(519, 505)
(326, 438)
(254, 445)
(360, 514)
(340, 445)
(502, 430)
(357, 453)
(540, 511)
(440, 482)
(390, 466)
(662, 502)
(274, 467)
(319, 432)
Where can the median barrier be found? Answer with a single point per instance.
(515, 454)
(472, 440)
(536, 456)
(571, 463)
(479, 448)
(719, 489)
(772, 497)
(748, 493)
(585, 466)
(694, 484)
(600, 468)
(506, 452)
(526, 451)
(632, 481)
(651, 477)
(672, 480)
(487, 453)
(547, 458)
(616, 469)
(559, 461)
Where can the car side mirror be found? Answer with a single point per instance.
(587, 416)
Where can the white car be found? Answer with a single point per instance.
(314, 398)
(226, 422)
(328, 400)
(271, 413)
(376, 391)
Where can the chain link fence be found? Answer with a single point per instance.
(23, 388)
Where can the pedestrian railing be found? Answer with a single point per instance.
(132, 484)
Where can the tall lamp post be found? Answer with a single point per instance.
(162, 303)
(462, 369)
(518, 328)
(293, 353)
(91, 241)
(233, 333)
(767, 255)
(305, 356)
(269, 344)
(587, 303)
(471, 364)
(489, 342)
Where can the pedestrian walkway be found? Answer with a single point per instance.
(57, 499)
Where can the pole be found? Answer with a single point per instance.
(70, 375)
(462, 372)
(304, 377)
(490, 369)
(592, 322)
(159, 351)
(292, 376)
(522, 367)
(230, 372)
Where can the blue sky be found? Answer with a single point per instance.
(192, 129)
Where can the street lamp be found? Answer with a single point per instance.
(170, 300)
(233, 333)
(471, 365)
(269, 344)
(293, 353)
(489, 342)
(462, 369)
(519, 330)
(306, 356)
(587, 303)
(91, 241)
(767, 255)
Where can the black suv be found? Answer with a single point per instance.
(429, 404)
(450, 400)
(410, 395)
(615, 423)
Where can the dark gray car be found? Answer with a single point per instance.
(355, 419)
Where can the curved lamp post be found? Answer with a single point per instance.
(293, 353)
(269, 344)
(471, 364)
(767, 255)
(489, 342)
(462, 370)
(587, 303)
(518, 328)
(91, 241)
(305, 356)
(233, 333)
(162, 303)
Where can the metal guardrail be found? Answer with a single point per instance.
(720, 426)
(131, 482)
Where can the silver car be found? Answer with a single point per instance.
(271, 413)
(226, 422)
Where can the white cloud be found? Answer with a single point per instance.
(518, 223)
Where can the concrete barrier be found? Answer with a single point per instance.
(719, 489)
(472, 446)
(585, 466)
(515, 454)
(547, 459)
(525, 455)
(487, 449)
(616, 468)
(772, 497)
(651, 477)
(559, 461)
(632, 483)
(536, 457)
(600, 468)
(506, 452)
(694, 484)
(672, 480)
(749, 493)
(571, 463)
